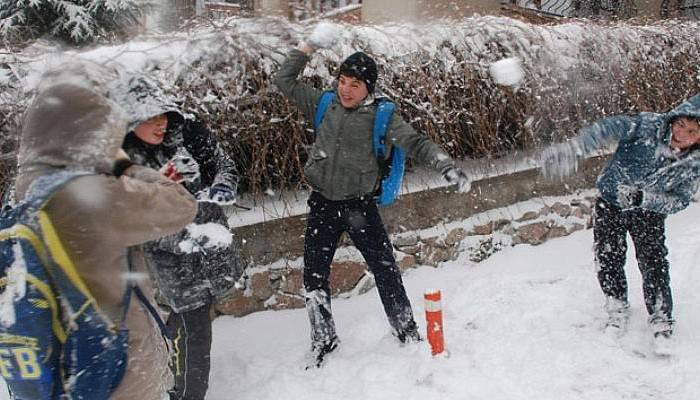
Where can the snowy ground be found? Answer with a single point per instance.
(524, 324)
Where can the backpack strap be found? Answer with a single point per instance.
(323, 102)
(143, 300)
(45, 185)
(391, 165)
(149, 307)
(385, 110)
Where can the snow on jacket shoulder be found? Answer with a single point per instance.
(644, 159)
(341, 163)
(73, 125)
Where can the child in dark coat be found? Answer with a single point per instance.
(200, 264)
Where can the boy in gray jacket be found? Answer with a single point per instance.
(345, 175)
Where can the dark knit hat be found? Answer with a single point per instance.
(362, 67)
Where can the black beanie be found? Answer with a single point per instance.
(362, 67)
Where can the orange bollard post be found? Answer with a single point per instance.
(433, 318)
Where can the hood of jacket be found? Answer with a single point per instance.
(71, 124)
(689, 108)
(143, 98)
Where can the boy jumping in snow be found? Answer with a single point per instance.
(654, 171)
(344, 174)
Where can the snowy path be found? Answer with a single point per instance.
(524, 324)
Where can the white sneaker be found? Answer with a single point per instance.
(662, 329)
(663, 344)
(618, 317)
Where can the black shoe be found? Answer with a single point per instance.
(319, 353)
(409, 334)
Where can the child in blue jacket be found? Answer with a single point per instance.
(654, 171)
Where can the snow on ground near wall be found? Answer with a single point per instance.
(524, 324)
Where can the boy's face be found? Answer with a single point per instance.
(685, 132)
(152, 131)
(351, 91)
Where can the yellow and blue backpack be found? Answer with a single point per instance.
(55, 342)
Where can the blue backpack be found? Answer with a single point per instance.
(55, 342)
(391, 169)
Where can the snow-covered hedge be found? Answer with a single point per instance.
(439, 74)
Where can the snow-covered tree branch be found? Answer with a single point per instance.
(75, 21)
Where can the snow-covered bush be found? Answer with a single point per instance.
(439, 75)
(74, 21)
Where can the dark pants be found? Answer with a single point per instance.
(647, 229)
(361, 220)
(191, 334)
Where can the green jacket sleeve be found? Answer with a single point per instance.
(303, 96)
(417, 146)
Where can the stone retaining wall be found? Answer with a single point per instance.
(276, 247)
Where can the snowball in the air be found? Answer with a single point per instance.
(324, 35)
(507, 71)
